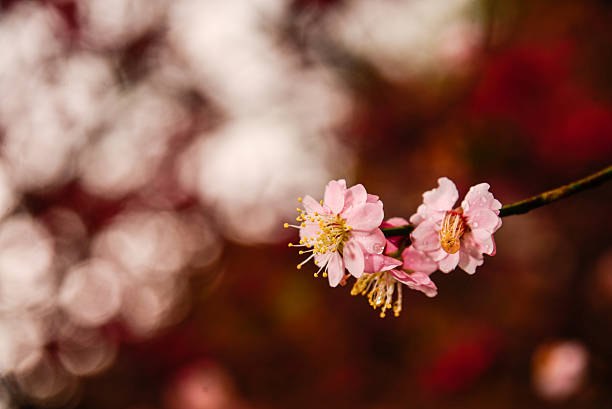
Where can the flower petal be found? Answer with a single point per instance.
(355, 196)
(335, 269)
(468, 263)
(312, 206)
(443, 197)
(425, 237)
(436, 255)
(372, 198)
(480, 218)
(365, 217)
(469, 245)
(420, 215)
(395, 222)
(393, 242)
(479, 197)
(309, 231)
(371, 242)
(375, 263)
(334, 196)
(417, 281)
(449, 263)
(484, 239)
(353, 258)
(416, 260)
(322, 259)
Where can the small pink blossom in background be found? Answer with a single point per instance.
(559, 369)
(469, 229)
(342, 230)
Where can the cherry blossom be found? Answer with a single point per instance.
(341, 230)
(459, 236)
(387, 274)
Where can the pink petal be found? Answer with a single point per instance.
(426, 213)
(372, 198)
(425, 237)
(480, 218)
(468, 263)
(393, 242)
(371, 242)
(419, 216)
(469, 245)
(334, 196)
(309, 231)
(498, 225)
(417, 281)
(322, 259)
(484, 239)
(312, 205)
(395, 222)
(353, 258)
(365, 217)
(443, 197)
(375, 263)
(335, 269)
(436, 255)
(416, 260)
(355, 196)
(479, 197)
(448, 263)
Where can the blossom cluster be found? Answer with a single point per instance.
(343, 235)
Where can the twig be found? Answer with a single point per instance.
(533, 202)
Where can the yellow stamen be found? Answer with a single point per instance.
(453, 227)
(379, 288)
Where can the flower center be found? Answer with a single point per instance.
(332, 236)
(328, 234)
(380, 288)
(453, 227)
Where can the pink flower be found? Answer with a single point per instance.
(458, 236)
(417, 268)
(384, 278)
(393, 242)
(340, 230)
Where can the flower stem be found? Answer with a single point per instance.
(398, 231)
(533, 202)
(555, 194)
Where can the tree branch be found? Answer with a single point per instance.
(533, 202)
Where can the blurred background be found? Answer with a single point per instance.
(152, 149)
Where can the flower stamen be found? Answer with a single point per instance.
(453, 227)
(379, 288)
(330, 236)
